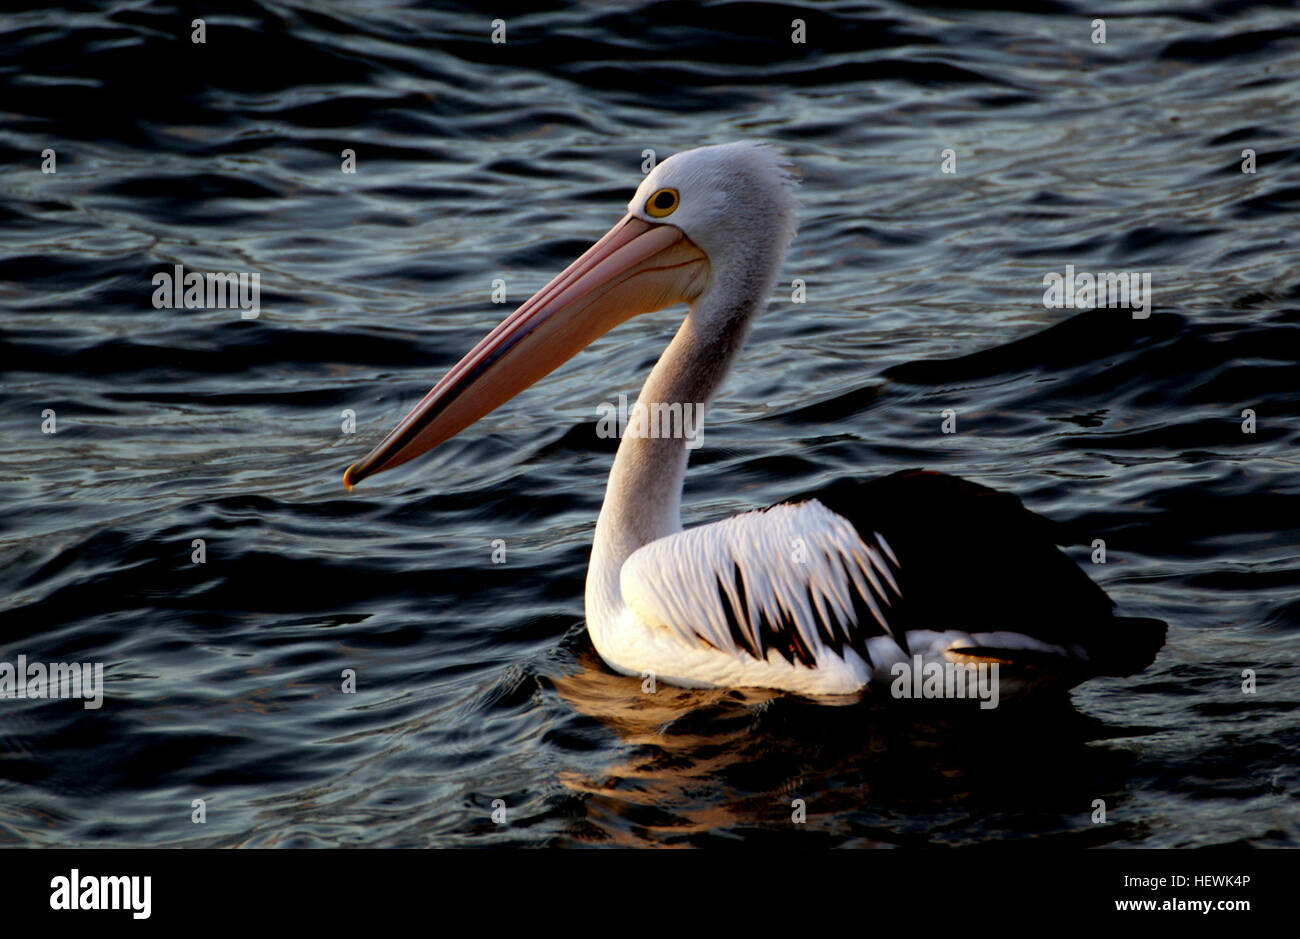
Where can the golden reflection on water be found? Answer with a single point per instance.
(727, 761)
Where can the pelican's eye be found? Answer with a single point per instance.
(661, 203)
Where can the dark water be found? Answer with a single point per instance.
(478, 161)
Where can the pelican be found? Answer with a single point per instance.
(822, 594)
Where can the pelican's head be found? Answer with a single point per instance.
(701, 214)
(733, 200)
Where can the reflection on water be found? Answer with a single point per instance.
(695, 763)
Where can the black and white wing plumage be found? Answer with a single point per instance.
(795, 578)
(908, 554)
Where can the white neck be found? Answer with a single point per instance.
(643, 497)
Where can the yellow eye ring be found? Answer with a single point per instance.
(662, 203)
